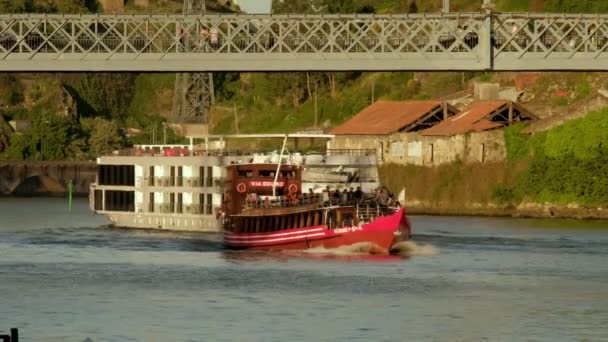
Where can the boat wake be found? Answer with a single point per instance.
(361, 248)
(411, 248)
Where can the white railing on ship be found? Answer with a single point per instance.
(267, 202)
(193, 182)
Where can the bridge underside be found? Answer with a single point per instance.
(191, 43)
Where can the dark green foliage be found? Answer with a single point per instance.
(504, 194)
(566, 164)
(12, 6)
(5, 134)
(226, 85)
(107, 95)
(517, 144)
(47, 6)
(340, 6)
(102, 136)
(567, 179)
(579, 6)
(51, 137)
(11, 91)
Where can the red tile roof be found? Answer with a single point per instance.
(386, 117)
(473, 118)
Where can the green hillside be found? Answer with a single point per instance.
(90, 104)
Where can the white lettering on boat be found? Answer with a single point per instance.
(348, 229)
(264, 184)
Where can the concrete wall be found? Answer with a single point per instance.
(15, 173)
(415, 149)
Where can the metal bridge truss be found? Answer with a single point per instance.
(193, 93)
(473, 41)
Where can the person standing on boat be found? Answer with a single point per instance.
(335, 197)
(311, 195)
(358, 195)
(326, 194)
(344, 197)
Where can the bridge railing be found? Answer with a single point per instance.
(462, 41)
(550, 42)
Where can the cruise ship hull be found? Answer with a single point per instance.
(383, 233)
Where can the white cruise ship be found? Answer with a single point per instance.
(175, 187)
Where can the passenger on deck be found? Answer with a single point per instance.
(358, 195)
(325, 195)
(344, 197)
(335, 197)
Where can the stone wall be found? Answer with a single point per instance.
(415, 149)
(49, 178)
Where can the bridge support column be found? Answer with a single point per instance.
(193, 95)
(485, 43)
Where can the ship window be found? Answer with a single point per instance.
(208, 209)
(245, 173)
(266, 173)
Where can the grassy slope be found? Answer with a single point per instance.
(568, 164)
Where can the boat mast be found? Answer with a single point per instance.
(276, 175)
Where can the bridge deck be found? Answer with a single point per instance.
(174, 43)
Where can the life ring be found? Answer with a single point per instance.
(293, 188)
(241, 187)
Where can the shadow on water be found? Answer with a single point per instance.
(130, 239)
(119, 238)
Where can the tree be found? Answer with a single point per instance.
(11, 91)
(70, 6)
(340, 6)
(108, 95)
(12, 6)
(102, 136)
(5, 134)
(55, 135)
(22, 146)
(292, 6)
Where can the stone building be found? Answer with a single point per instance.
(371, 128)
(470, 136)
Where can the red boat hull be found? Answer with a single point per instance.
(383, 232)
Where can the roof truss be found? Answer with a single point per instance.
(435, 116)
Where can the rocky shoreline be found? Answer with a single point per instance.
(524, 210)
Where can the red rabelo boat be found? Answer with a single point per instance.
(265, 208)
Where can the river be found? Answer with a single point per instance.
(68, 277)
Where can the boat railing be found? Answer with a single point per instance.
(179, 181)
(369, 211)
(261, 202)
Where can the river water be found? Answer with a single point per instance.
(68, 277)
